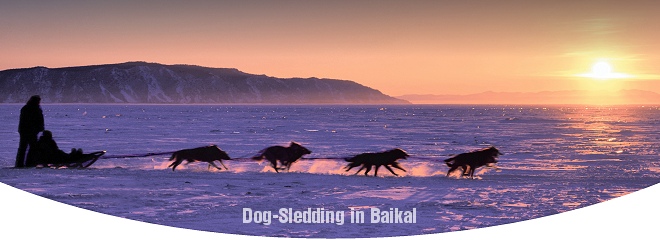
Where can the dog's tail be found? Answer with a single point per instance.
(259, 155)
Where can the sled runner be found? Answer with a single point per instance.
(79, 160)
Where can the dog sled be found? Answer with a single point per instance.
(48, 154)
(76, 160)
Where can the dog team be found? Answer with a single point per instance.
(286, 156)
(45, 152)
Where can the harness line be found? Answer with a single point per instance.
(245, 157)
(137, 155)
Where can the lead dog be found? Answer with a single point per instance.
(367, 160)
(472, 160)
(207, 154)
(286, 155)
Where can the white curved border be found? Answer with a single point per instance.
(27, 216)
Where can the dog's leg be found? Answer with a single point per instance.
(396, 165)
(452, 169)
(288, 166)
(368, 169)
(376, 170)
(388, 168)
(176, 163)
(173, 157)
(274, 164)
(216, 166)
(283, 165)
(172, 164)
(466, 170)
(359, 170)
(226, 168)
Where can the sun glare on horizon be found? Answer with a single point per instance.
(602, 70)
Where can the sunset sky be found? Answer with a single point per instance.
(398, 47)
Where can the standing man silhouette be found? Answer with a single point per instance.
(30, 124)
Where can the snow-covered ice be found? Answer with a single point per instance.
(556, 159)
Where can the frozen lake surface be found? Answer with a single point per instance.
(556, 159)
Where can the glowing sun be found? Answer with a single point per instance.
(602, 70)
